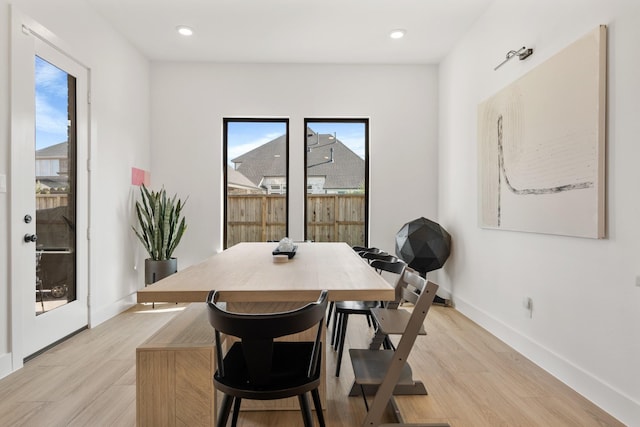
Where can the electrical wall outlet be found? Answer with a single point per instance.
(637, 280)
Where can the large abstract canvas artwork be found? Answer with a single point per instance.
(541, 146)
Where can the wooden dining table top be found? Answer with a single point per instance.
(247, 272)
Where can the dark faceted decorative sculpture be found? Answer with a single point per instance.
(423, 244)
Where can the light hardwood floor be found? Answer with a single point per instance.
(473, 380)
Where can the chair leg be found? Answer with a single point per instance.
(364, 396)
(337, 319)
(329, 315)
(236, 411)
(389, 343)
(225, 408)
(335, 330)
(318, 405)
(306, 411)
(341, 339)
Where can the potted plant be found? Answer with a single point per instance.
(161, 228)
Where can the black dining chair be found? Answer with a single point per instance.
(360, 249)
(376, 254)
(369, 254)
(259, 368)
(343, 309)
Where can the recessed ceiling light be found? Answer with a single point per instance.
(184, 30)
(397, 34)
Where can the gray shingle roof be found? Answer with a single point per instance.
(266, 160)
(236, 179)
(346, 171)
(55, 151)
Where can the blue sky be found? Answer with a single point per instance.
(350, 134)
(245, 136)
(51, 104)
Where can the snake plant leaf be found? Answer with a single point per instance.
(161, 225)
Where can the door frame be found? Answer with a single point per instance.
(23, 30)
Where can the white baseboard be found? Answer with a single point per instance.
(5, 364)
(616, 403)
(104, 313)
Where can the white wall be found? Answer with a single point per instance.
(585, 327)
(120, 140)
(5, 313)
(189, 102)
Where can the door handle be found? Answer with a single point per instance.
(30, 238)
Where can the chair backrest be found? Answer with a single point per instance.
(361, 249)
(408, 287)
(396, 266)
(258, 330)
(371, 256)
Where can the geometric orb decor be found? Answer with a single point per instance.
(423, 244)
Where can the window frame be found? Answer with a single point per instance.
(365, 122)
(225, 152)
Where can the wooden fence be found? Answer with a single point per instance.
(260, 218)
(48, 201)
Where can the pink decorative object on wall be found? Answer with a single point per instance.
(140, 176)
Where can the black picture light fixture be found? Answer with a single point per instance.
(522, 53)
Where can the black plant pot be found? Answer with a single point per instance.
(156, 270)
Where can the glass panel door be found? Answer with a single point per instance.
(50, 193)
(55, 187)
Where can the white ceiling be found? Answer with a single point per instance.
(293, 31)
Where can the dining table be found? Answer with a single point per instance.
(247, 272)
(250, 278)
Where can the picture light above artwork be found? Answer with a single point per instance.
(522, 53)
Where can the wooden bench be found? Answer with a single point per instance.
(174, 371)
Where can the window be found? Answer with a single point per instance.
(256, 177)
(337, 180)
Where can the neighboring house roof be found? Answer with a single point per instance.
(346, 170)
(266, 160)
(50, 169)
(55, 151)
(237, 180)
(53, 181)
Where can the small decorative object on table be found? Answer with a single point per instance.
(285, 247)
